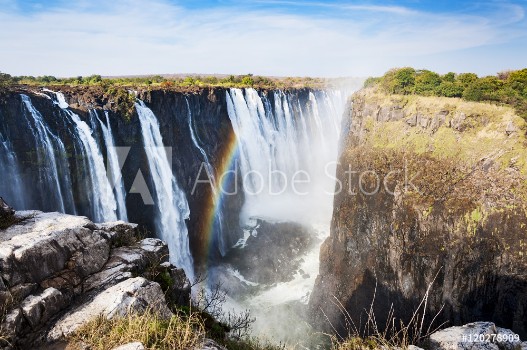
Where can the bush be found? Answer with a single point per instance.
(426, 83)
(399, 81)
(509, 87)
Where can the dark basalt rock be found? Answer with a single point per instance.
(457, 239)
(7, 214)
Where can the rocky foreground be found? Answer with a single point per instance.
(60, 271)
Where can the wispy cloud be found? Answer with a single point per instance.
(137, 37)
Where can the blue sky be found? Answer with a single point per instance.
(266, 37)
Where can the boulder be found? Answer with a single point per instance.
(132, 295)
(209, 344)
(475, 336)
(45, 244)
(131, 346)
(38, 309)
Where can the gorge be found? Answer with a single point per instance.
(211, 173)
(247, 186)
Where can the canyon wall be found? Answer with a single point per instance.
(431, 205)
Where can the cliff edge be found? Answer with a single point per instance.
(430, 204)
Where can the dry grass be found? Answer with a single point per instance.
(179, 332)
(395, 334)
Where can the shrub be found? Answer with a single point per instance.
(399, 81)
(426, 83)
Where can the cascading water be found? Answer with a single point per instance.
(53, 170)
(116, 177)
(171, 203)
(277, 149)
(11, 186)
(104, 203)
(288, 149)
(218, 220)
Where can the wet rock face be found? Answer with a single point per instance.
(59, 271)
(447, 227)
(271, 252)
(6, 214)
(210, 124)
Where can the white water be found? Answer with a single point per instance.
(172, 207)
(52, 168)
(283, 145)
(116, 177)
(11, 185)
(104, 203)
(218, 220)
(282, 139)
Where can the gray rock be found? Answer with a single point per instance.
(120, 233)
(412, 121)
(511, 128)
(209, 344)
(47, 243)
(38, 309)
(413, 347)
(507, 339)
(12, 323)
(475, 336)
(131, 346)
(131, 295)
(458, 120)
(125, 261)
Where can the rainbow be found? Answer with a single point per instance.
(229, 156)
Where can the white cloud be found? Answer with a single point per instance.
(137, 37)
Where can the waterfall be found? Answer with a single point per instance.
(218, 220)
(53, 169)
(281, 141)
(11, 186)
(104, 204)
(171, 203)
(116, 177)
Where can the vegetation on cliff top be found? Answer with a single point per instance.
(509, 87)
(170, 81)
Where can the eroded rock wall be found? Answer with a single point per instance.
(431, 200)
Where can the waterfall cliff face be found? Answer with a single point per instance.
(63, 151)
(288, 146)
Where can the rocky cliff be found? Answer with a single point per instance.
(431, 205)
(59, 271)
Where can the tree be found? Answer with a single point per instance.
(449, 77)
(5, 79)
(426, 83)
(399, 81)
(518, 81)
(450, 89)
(465, 79)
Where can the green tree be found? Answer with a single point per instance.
(449, 77)
(517, 80)
(427, 83)
(399, 81)
(487, 88)
(5, 79)
(450, 89)
(466, 79)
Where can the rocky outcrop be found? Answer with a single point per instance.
(60, 271)
(431, 204)
(475, 336)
